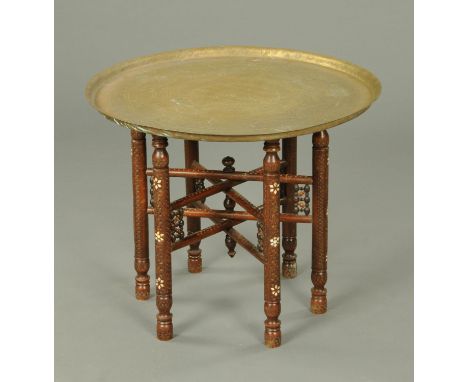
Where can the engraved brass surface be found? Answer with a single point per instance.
(232, 93)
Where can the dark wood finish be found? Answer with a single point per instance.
(271, 243)
(260, 235)
(194, 259)
(233, 194)
(236, 215)
(302, 199)
(235, 235)
(318, 303)
(268, 216)
(229, 204)
(237, 175)
(202, 194)
(204, 233)
(177, 224)
(162, 236)
(289, 240)
(140, 218)
(195, 173)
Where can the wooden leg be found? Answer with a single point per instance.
(194, 260)
(229, 205)
(162, 236)
(271, 243)
(140, 217)
(318, 302)
(289, 267)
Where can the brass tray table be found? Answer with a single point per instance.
(232, 94)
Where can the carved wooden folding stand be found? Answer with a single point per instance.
(169, 233)
(231, 101)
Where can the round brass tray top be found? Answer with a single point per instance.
(232, 93)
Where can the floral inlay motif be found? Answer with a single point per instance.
(275, 290)
(274, 188)
(274, 241)
(156, 183)
(159, 236)
(159, 283)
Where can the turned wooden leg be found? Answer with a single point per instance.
(229, 205)
(289, 267)
(271, 243)
(162, 237)
(318, 302)
(140, 218)
(194, 260)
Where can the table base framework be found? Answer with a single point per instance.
(286, 202)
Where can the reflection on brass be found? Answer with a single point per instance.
(232, 93)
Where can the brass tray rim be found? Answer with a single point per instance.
(359, 73)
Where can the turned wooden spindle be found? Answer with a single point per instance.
(229, 204)
(162, 237)
(194, 260)
(289, 240)
(140, 218)
(271, 243)
(318, 302)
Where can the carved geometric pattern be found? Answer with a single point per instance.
(177, 224)
(260, 235)
(140, 217)
(162, 235)
(271, 231)
(302, 199)
(320, 224)
(229, 204)
(199, 184)
(151, 189)
(169, 223)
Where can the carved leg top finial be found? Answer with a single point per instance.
(320, 139)
(160, 156)
(271, 160)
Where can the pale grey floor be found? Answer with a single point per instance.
(104, 334)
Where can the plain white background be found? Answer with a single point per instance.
(27, 192)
